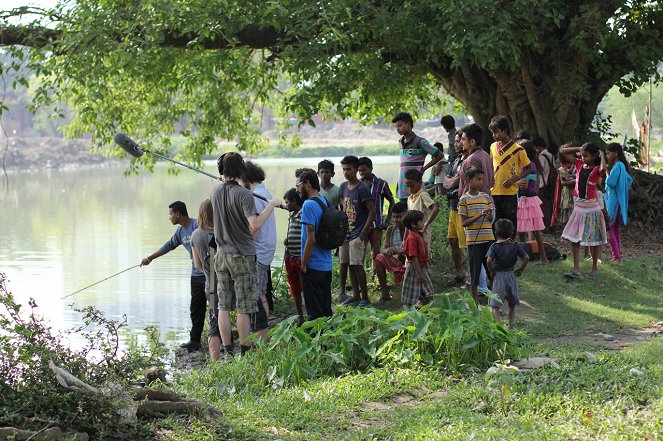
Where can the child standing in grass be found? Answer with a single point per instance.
(501, 259)
(293, 241)
(586, 226)
(530, 215)
(616, 196)
(417, 284)
(420, 200)
(476, 214)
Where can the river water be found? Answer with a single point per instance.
(63, 230)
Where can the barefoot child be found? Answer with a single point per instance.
(586, 225)
(420, 200)
(501, 258)
(476, 214)
(293, 241)
(417, 284)
(392, 259)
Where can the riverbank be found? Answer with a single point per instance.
(32, 154)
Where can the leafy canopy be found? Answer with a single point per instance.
(217, 69)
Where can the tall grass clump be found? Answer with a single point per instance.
(455, 336)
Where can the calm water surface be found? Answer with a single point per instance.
(63, 230)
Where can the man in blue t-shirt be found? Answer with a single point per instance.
(179, 216)
(316, 263)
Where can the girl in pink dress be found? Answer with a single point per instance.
(530, 215)
(586, 225)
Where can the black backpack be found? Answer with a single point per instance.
(552, 253)
(333, 227)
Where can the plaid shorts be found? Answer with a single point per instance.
(238, 283)
(264, 273)
(412, 289)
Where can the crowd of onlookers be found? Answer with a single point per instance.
(517, 187)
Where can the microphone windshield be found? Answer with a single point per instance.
(128, 144)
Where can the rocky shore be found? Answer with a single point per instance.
(22, 154)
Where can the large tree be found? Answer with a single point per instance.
(143, 66)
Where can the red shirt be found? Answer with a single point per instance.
(587, 179)
(415, 246)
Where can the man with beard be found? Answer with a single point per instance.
(316, 264)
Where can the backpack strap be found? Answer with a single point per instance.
(319, 201)
(506, 158)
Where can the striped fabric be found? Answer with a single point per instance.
(380, 191)
(413, 155)
(471, 205)
(294, 238)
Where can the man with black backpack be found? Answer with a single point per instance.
(316, 264)
(547, 179)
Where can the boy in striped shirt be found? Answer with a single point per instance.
(293, 242)
(476, 213)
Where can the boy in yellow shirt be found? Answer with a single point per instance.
(420, 200)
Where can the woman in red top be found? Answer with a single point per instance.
(586, 225)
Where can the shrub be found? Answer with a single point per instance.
(456, 336)
(29, 390)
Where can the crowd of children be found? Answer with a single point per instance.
(516, 187)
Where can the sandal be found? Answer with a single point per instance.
(592, 274)
(571, 275)
(384, 300)
(459, 279)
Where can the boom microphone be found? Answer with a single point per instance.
(128, 145)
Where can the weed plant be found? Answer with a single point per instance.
(455, 336)
(31, 396)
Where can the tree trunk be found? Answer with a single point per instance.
(534, 99)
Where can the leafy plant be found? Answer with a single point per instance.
(456, 336)
(500, 377)
(31, 395)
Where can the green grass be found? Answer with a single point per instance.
(624, 296)
(575, 399)
(578, 400)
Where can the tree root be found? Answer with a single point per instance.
(47, 434)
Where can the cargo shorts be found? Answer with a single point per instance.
(238, 282)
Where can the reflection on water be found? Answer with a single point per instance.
(63, 230)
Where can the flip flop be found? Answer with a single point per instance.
(348, 301)
(458, 280)
(592, 274)
(571, 275)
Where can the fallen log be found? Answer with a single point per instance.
(47, 434)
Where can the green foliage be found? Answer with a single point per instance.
(29, 389)
(213, 70)
(456, 336)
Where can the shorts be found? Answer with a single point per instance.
(505, 285)
(293, 271)
(238, 282)
(352, 252)
(264, 273)
(456, 230)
